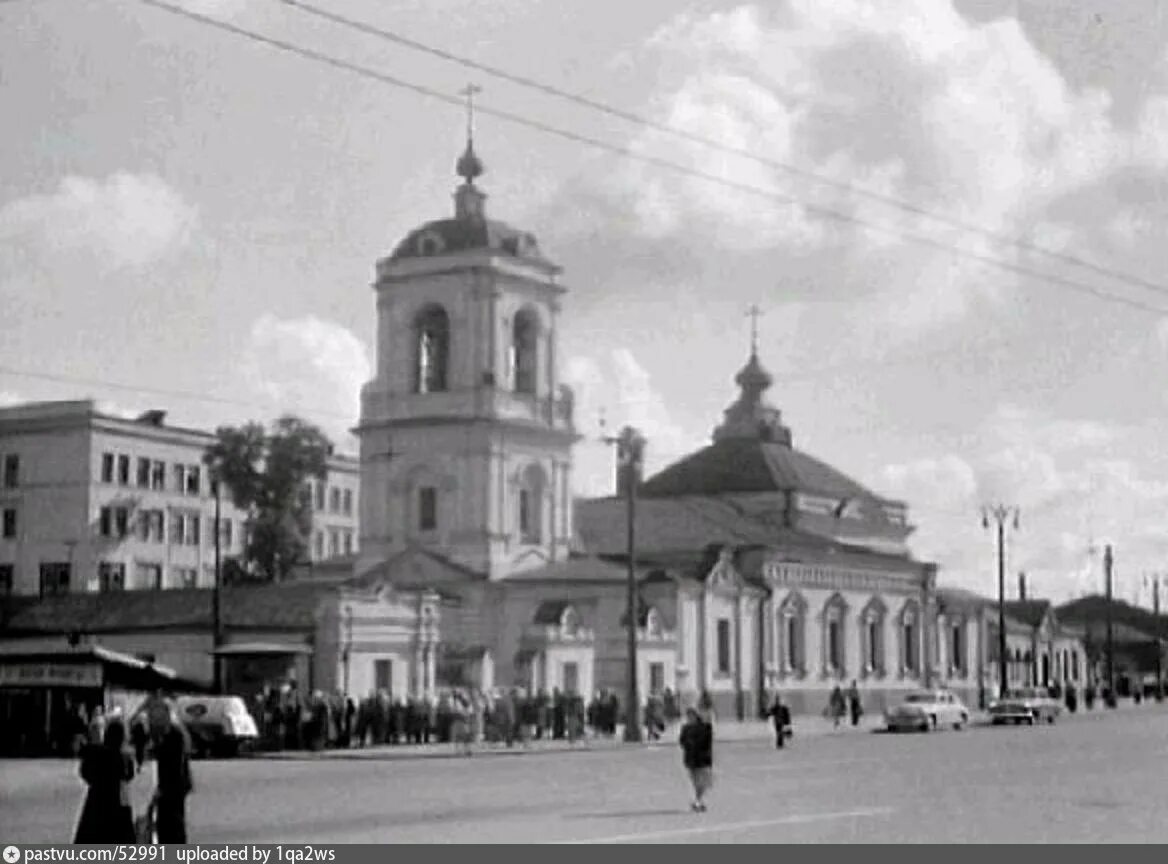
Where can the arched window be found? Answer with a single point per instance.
(431, 349)
(524, 351)
(910, 647)
(834, 646)
(958, 661)
(530, 505)
(570, 621)
(789, 640)
(872, 637)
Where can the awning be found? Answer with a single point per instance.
(262, 649)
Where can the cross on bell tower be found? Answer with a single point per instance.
(469, 201)
(753, 313)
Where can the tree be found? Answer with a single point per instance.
(266, 474)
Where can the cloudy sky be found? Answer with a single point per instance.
(189, 219)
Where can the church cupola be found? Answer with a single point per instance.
(750, 417)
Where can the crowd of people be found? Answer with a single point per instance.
(290, 719)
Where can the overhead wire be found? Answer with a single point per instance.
(712, 143)
(628, 152)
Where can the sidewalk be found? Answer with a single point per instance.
(725, 732)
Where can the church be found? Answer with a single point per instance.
(759, 568)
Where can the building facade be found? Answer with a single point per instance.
(95, 502)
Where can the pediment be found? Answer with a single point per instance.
(724, 576)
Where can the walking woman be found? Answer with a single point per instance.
(107, 767)
(836, 706)
(697, 747)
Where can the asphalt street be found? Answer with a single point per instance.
(1094, 778)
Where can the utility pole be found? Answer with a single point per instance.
(1001, 515)
(1155, 579)
(348, 649)
(216, 614)
(1107, 565)
(630, 454)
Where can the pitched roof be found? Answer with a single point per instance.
(751, 465)
(415, 567)
(282, 605)
(1030, 612)
(682, 524)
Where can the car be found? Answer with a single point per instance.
(924, 710)
(218, 725)
(1027, 705)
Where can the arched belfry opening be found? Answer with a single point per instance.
(524, 351)
(431, 349)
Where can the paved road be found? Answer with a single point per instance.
(1100, 777)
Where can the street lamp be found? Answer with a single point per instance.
(630, 446)
(1001, 515)
(1108, 562)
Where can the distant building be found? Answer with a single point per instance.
(92, 502)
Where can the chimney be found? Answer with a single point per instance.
(1021, 586)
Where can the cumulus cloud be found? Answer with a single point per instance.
(1075, 484)
(618, 388)
(125, 221)
(309, 366)
(909, 100)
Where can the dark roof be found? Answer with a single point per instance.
(685, 523)
(961, 600)
(550, 611)
(1029, 612)
(751, 465)
(447, 236)
(279, 606)
(1089, 611)
(415, 568)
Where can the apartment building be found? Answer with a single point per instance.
(95, 502)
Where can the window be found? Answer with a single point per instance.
(872, 647)
(957, 648)
(9, 523)
(656, 677)
(105, 522)
(431, 349)
(334, 543)
(320, 497)
(192, 487)
(143, 473)
(107, 467)
(148, 576)
(347, 502)
(121, 521)
(524, 338)
(192, 529)
(225, 533)
(177, 529)
(334, 500)
(7, 579)
(144, 525)
(910, 645)
(383, 676)
(11, 470)
(158, 475)
(54, 579)
(1074, 665)
(570, 677)
(723, 646)
(525, 515)
(834, 657)
(794, 643)
(180, 477)
(111, 576)
(123, 470)
(834, 647)
(157, 526)
(790, 633)
(875, 646)
(530, 504)
(427, 508)
(348, 542)
(319, 543)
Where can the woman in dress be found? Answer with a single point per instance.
(107, 767)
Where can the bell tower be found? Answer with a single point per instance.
(466, 431)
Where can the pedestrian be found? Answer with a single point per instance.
(780, 716)
(697, 747)
(854, 705)
(172, 756)
(835, 706)
(107, 767)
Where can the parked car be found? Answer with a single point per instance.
(218, 725)
(1028, 705)
(927, 709)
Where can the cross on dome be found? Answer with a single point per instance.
(469, 165)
